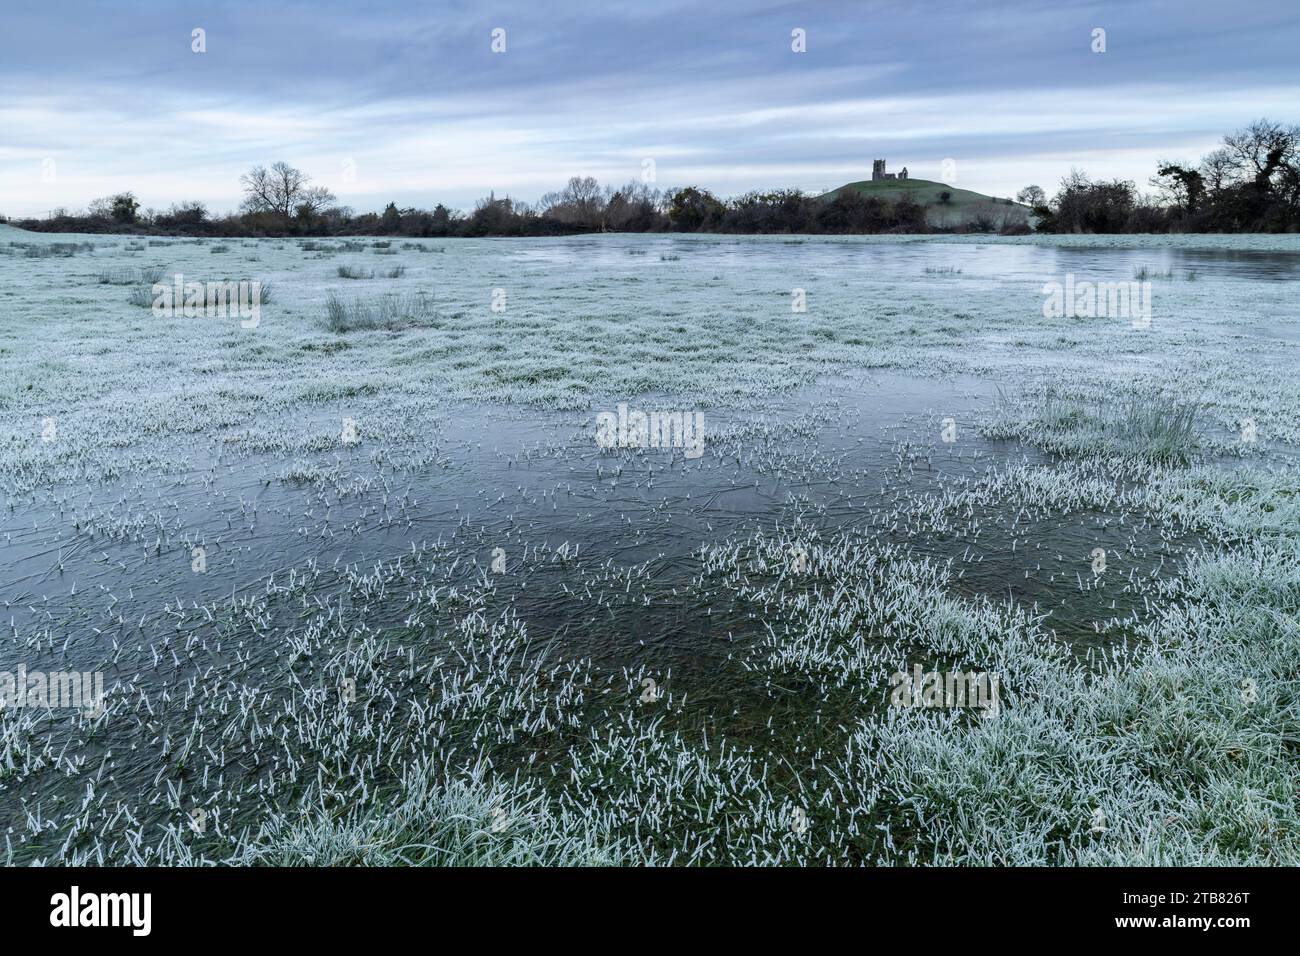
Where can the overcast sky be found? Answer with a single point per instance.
(407, 101)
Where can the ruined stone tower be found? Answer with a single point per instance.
(878, 171)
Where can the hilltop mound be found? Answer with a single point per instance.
(10, 233)
(961, 206)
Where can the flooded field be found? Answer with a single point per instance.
(387, 572)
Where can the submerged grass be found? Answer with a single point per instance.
(1175, 746)
(1179, 751)
(432, 821)
(471, 739)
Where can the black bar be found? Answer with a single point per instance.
(223, 905)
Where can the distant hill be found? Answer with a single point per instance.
(10, 233)
(961, 207)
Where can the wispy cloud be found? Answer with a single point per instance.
(413, 97)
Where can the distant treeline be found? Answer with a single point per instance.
(1249, 184)
(583, 206)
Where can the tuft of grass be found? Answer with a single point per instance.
(1162, 431)
(1143, 273)
(354, 272)
(47, 250)
(389, 313)
(465, 821)
(395, 273)
(141, 296)
(1154, 430)
(144, 276)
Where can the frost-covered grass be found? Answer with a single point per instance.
(462, 740)
(44, 250)
(432, 822)
(390, 313)
(129, 276)
(1174, 748)
(1156, 429)
(1145, 273)
(585, 323)
(405, 705)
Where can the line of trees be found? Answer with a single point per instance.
(1250, 184)
(281, 201)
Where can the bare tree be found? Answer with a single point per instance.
(1261, 146)
(1264, 157)
(1261, 149)
(1032, 196)
(122, 207)
(1217, 169)
(281, 190)
(630, 207)
(313, 201)
(581, 202)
